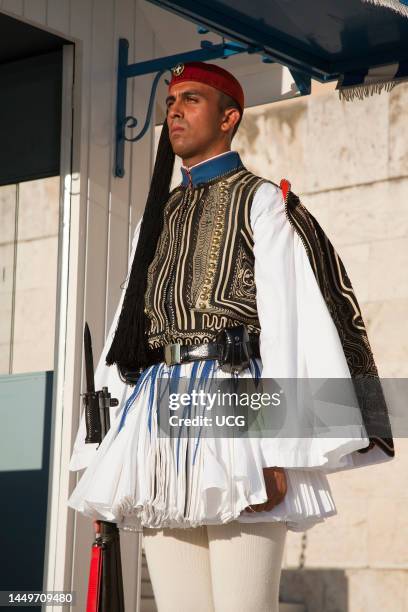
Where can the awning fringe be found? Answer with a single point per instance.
(365, 90)
(395, 5)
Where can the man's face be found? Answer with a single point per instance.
(194, 118)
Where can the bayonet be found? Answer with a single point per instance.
(97, 403)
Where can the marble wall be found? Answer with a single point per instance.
(29, 220)
(348, 161)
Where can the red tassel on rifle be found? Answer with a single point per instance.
(95, 576)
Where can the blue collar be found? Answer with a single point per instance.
(211, 168)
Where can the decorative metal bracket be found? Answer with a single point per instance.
(302, 80)
(208, 51)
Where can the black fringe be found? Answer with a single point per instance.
(129, 346)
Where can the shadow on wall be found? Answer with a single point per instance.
(319, 590)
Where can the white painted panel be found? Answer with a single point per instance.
(66, 388)
(99, 168)
(102, 88)
(120, 187)
(80, 27)
(58, 15)
(13, 6)
(80, 24)
(36, 10)
(117, 260)
(142, 150)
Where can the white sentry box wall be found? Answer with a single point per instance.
(102, 212)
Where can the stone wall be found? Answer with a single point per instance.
(348, 161)
(29, 218)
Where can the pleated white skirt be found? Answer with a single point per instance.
(138, 478)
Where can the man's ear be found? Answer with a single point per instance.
(230, 119)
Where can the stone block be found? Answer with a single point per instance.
(341, 541)
(291, 607)
(363, 214)
(387, 328)
(372, 480)
(352, 590)
(398, 131)
(387, 270)
(346, 143)
(271, 141)
(319, 590)
(6, 267)
(388, 523)
(39, 208)
(383, 590)
(7, 213)
(6, 303)
(37, 264)
(34, 331)
(4, 357)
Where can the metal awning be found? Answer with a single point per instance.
(274, 47)
(324, 38)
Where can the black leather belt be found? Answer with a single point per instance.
(182, 353)
(233, 347)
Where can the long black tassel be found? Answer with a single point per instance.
(129, 346)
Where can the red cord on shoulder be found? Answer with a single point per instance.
(285, 186)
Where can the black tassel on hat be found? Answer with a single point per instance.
(129, 346)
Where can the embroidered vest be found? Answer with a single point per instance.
(201, 278)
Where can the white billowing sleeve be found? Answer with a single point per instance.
(105, 375)
(299, 339)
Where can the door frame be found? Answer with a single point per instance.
(60, 526)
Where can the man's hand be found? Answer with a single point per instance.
(276, 487)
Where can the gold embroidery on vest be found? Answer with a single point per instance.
(212, 227)
(243, 282)
(203, 265)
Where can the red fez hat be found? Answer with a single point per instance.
(211, 74)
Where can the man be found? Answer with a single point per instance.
(224, 250)
(195, 137)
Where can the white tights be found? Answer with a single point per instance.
(216, 568)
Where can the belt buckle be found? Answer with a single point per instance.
(172, 353)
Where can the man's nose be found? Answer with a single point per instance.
(176, 109)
